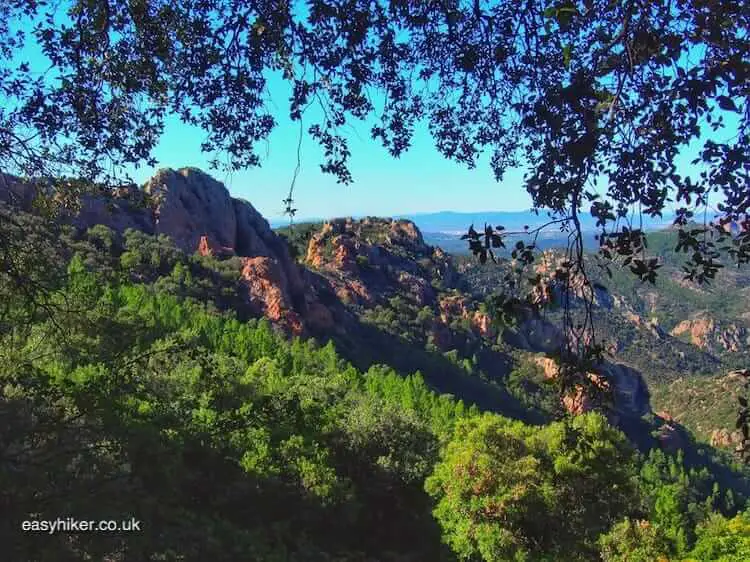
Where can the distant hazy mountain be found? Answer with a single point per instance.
(445, 228)
(451, 222)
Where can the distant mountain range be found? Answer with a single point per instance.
(445, 228)
(453, 222)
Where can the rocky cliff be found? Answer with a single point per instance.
(199, 215)
(371, 260)
(350, 267)
(709, 334)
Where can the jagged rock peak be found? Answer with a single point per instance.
(189, 204)
(378, 230)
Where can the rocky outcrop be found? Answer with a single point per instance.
(371, 260)
(188, 204)
(555, 278)
(708, 334)
(269, 291)
(535, 333)
(628, 390)
(199, 215)
(725, 439)
(206, 247)
(452, 307)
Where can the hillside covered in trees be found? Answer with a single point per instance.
(686, 339)
(196, 391)
(346, 391)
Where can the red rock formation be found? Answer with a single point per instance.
(483, 325)
(420, 291)
(345, 257)
(267, 286)
(371, 260)
(353, 291)
(628, 390)
(706, 333)
(460, 306)
(188, 204)
(725, 439)
(206, 247)
(578, 402)
(405, 233)
(453, 306)
(198, 214)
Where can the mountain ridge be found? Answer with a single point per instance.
(346, 281)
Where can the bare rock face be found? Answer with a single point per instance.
(710, 335)
(725, 439)
(459, 306)
(189, 204)
(536, 334)
(628, 389)
(417, 287)
(631, 396)
(578, 402)
(405, 233)
(483, 324)
(372, 259)
(206, 247)
(269, 290)
(199, 214)
(254, 234)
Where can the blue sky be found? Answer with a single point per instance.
(420, 181)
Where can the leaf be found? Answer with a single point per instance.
(726, 103)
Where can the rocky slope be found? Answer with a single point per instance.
(199, 215)
(707, 333)
(352, 272)
(371, 260)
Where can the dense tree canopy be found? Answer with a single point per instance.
(128, 390)
(577, 90)
(506, 491)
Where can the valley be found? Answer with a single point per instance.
(365, 340)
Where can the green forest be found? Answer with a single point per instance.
(132, 385)
(575, 386)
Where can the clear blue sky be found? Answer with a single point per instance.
(420, 181)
